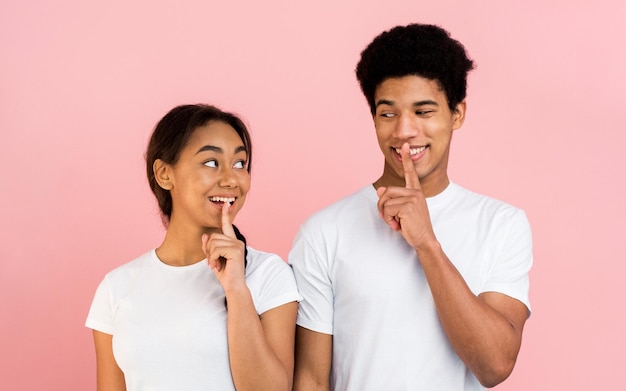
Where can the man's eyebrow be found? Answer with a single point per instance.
(418, 103)
(426, 102)
(384, 102)
(213, 148)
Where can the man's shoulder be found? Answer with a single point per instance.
(471, 197)
(480, 205)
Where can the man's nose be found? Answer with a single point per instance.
(406, 127)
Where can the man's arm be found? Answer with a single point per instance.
(312, 360)
(486, 330)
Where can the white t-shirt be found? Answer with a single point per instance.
(363, 283)
(169, 323)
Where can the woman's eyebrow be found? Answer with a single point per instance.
(213, 148)
(210, 148)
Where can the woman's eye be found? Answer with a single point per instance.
(240, 164)
(211, 163)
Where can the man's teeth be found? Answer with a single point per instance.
(230, 200)
(412, 151)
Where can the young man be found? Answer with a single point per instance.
(413, 282)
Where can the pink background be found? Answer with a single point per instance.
(83, 83)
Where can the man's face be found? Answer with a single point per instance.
(414, 110)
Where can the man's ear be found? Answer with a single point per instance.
(458, 115)
(162, 174)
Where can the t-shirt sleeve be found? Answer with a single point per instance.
(315, 311)
(509, 275)
(100, 315)
(273, 285)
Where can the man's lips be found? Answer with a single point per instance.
(413, 150)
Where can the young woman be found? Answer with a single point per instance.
(203, 311)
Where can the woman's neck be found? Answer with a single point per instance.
(182, 247)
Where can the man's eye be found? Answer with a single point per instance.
(240, 164)
(423, 112)
(387, 115)
(211, 163)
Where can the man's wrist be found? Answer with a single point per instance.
(428, 248)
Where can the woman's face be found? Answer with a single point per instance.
(211, 170)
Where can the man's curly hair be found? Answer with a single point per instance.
(416, 49)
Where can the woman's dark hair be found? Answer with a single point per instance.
(171, 135)
(416, 49)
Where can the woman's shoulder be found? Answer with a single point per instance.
(263, 266)
(129, 269)
(270, 279)
(264, 259)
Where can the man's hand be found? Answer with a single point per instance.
(404, 209)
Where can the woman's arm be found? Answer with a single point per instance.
(261, 349)
(109, 376)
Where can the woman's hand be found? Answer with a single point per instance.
(225, 254)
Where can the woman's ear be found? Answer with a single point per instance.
(162, 174)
